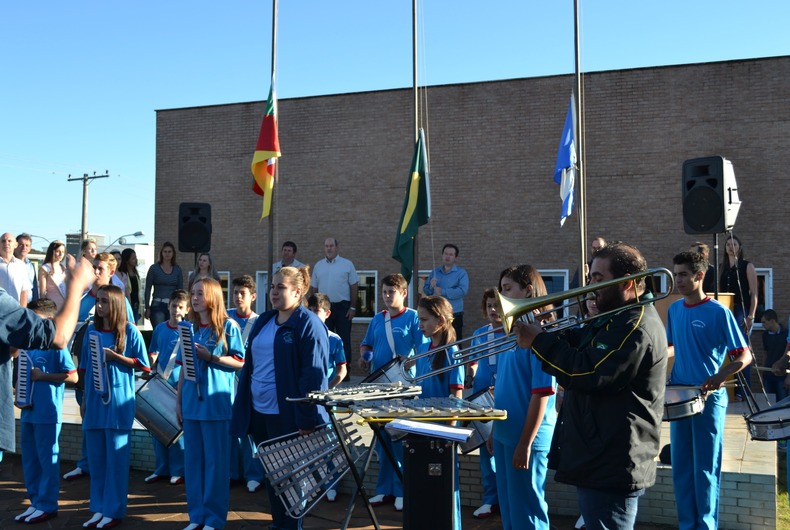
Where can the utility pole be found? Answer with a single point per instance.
(85, 181)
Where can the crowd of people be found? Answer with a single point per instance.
(586, 401)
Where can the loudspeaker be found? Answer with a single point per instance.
(710, 195)
(194, 227)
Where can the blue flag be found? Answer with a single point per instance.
(565, 168)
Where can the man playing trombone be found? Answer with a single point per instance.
(613, 371)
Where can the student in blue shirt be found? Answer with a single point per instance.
(436, 323)
(521, 442)
(163, 351)
(204, 406)
(108, 417)
(41, 423)
(399, 323)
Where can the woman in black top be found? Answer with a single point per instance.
(127, 272)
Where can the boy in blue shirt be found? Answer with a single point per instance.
(244, 464)
(41, 423)
(163, 349)
(400, 324)
(336, 368)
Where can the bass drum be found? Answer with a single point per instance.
(389, 373)
(155, 409)
(482, 429)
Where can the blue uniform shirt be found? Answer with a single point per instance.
(47, 397)
(217, 383)
(438, 386)
(337, 355)
(405, 333)
(118, 412)
(485, 376)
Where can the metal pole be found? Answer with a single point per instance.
(270, 246)
(85, 181)
(415, 281)
(582, 208)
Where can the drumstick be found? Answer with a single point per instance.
(699, 387)
(766, 369)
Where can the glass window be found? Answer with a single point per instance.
(224, 281)
(556, 281)
(367, 296)
(261, 291)
(765, 293)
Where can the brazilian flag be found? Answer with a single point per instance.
(416, 208)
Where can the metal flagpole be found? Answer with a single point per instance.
(270, 246)
(582, 207)
(415, 280)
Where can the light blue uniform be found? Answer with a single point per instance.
(337, 356)
(407, 336)
(522, 499)
(169, 460)
(41, 425)
(206, 416)
(485, 377)
(107, 424)
(440, 386)
(703, 335)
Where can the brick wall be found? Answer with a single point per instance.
(492, 152)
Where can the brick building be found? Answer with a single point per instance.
(492, 151)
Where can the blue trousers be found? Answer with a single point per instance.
(488, 473)
(388, 483)
(608, 509)
(41, 464)
(244, 465)
(82, 463)
(206, 446)
(109, 455)
(522, 500)
(696, 445)
(169, 460)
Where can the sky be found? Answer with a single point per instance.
(81, 80)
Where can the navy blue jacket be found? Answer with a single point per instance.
(301, 350)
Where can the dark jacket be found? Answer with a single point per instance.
(301, 347)
(614, 372)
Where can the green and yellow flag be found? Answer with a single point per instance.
(267, 151)
(416, 208)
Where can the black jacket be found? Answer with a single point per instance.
(614, 372)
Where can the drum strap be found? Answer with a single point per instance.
(245, 334)
(388, 328)
(171, 362)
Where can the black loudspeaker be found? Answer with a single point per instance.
(428, 483)
(194, 227)
(710, 195)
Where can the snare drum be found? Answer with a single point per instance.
(156, 410)
(771, 424)
(482, 429)
(389, 373)
(680, 403)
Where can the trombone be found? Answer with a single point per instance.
(529, 309)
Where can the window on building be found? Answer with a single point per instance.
(367, 296)
(261, 291)
(556, 281)
(224, 282)
(765, 293)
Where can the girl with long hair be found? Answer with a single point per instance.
(436, 322)
(204, 406)
(521, 442)
(287, 350)
(127, 273)
(52, 274)
(108, 417)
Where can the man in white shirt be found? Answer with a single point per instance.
(289, 258)
(336, 277)
(24, 242)
(13, 271)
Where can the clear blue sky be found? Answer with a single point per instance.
(81, 80)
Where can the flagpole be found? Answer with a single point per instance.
(582, 208)
(415, 268)
(270, 246)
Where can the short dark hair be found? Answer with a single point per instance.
(695, 261)
(768, 314)
(319, 301)
(395, 280)
(624, 260)
(245, 280)
(450, 245)
(24, 235)
(488, 293)
(289, 244)
(43, 307)
(179, 295)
